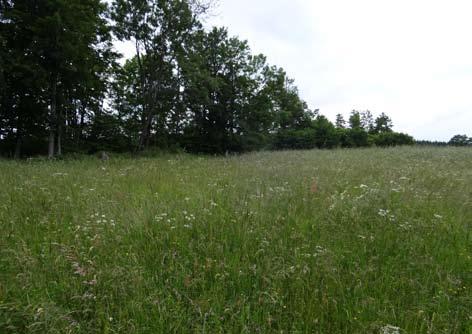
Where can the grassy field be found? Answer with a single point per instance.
(348, 241)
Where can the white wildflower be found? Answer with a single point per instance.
(405, 226)
(319, 250)
(383, 212)
(389, 329)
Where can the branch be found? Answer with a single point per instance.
(203, 7)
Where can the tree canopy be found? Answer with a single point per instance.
(62, 89)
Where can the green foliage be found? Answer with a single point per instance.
(460, 140)
(431, 143)
(355, 120)
(57, 55)
(392, 139)
(160, 31)
(367, 121)
(326, 135)
(295, 139)
(383, 124)
(357, 137)
(203, 91)
(340, 122)
(105, 134)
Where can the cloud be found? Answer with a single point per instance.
(409, 59)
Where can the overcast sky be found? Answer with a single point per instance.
(411, 59)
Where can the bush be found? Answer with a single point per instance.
(356, 138)
(392, 139)
(294, 139)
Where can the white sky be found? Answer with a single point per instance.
(411, 59)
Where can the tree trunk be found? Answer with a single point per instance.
(52, 116)
(146, 131)
(60, 127)
(147, 115)
(59, 141)
(19, 132)
(82, 123)
(18, 147)
(51, 144)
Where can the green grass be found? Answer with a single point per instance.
(246, 244)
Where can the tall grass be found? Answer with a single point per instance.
(348, 241)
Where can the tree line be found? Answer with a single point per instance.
(62, 88)
(457, 140)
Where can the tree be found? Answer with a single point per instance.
(205, 91)
(217, 91)
(383, 124)
(367, 121)
(127, 101)
(355, 120)
(325, 133)
(160, 31)
(21, 105)
(460, 140)
(57, 52)
(340, 122)
(236, 101)
(74, 40)
(3, 46)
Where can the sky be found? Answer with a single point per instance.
(411, 59)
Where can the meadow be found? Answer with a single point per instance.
(343, 241)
